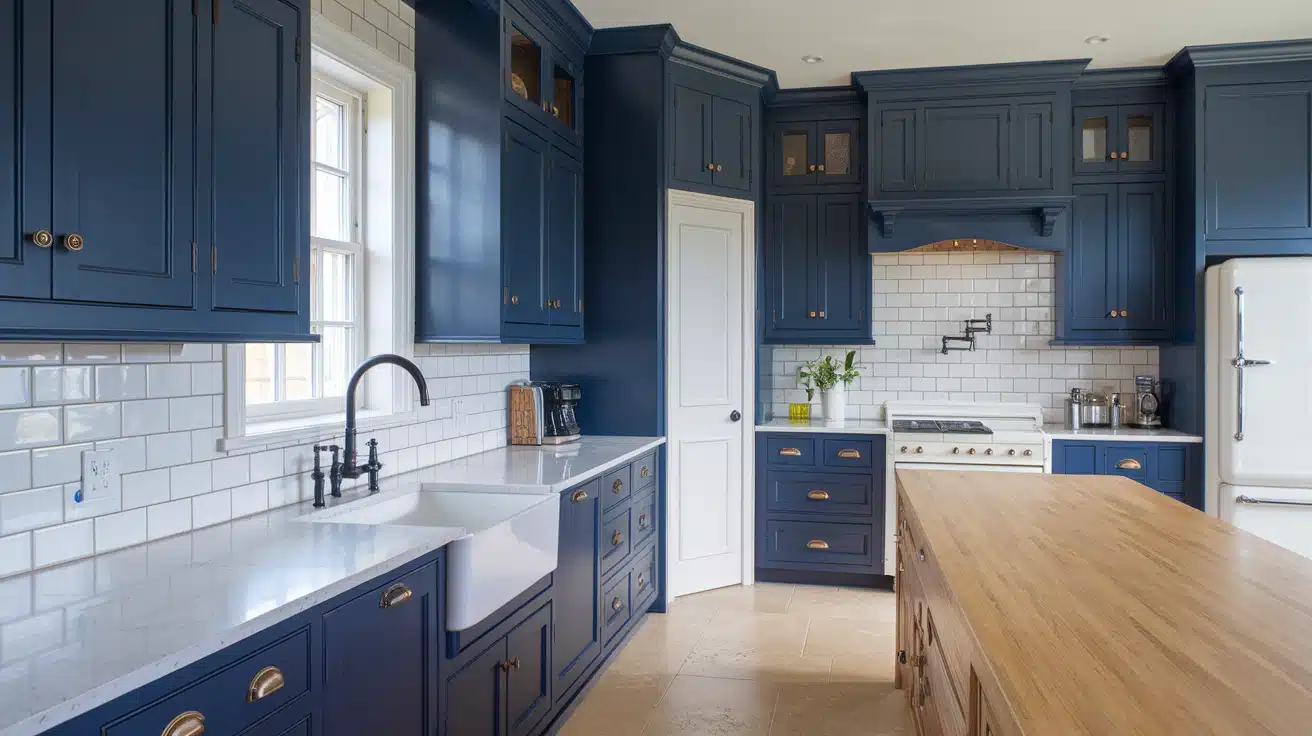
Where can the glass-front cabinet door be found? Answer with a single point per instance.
(564, 93)
(793, 162)
(824, 152)
(525, 60)
(1141, 128)
(837, 159)
(1097, 145)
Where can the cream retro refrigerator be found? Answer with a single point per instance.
(1259, 398)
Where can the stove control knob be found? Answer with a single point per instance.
(1011, 452)
(956, 451)
(920, 451)
(971, 451)
(1028, 453)
(904, 449)
(989, 451)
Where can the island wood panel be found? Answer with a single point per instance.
(1093, 604)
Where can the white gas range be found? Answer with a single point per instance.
(966, 436)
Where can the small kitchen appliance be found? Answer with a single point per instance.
(542, 413)
(561, 424)
(1147, 403)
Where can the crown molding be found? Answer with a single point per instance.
(980, 75)
(804, 96)
(565, 18)
(727, 66)
(1140, 76)
(1265, 52)
(660, 39)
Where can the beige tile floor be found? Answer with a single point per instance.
(769, 659)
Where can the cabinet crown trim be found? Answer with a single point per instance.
(939, 79)
(1029, 222)
(1266, 52)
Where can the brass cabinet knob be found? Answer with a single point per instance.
(1112, 313)
(1124, 155)
(821, 167)
(1124, 313)
(265, 683)
(903, 449)
(817, 544)
(514, 663)
(555, 111)
(615, 539)
(191, 723)
(578, 496)
(988, 451)
(617, 605)
(73, 241)
(514, 300)
(971, 451)
(617, 486)
(818, 495)
(710, 167)
(719, 167)
(642, 581)
(811, 167)
(509, 664)
(822, 315)
(644, 472)
(42, 238)
(813, 315)
(395, 595)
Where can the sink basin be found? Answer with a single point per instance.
(511, 541)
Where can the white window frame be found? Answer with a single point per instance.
(386, 268)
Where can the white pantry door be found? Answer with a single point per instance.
(710, 407)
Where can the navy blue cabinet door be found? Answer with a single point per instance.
(792, 154)
(1258, 161)
(529, 679)
(1032, 145)
(965, 148)
(1144, 256)
(1096, 139)
(565, 240)
(25, 138)
(691, 156)
(843, 286)
(258, 159)
(790, 262)
(122, 193)
(731, 138)
(525, 64)
(574, 586)
(524, 164)
(1074, 458)
(474, 695)
(1092, 266)
(380, 659)
(837, 143)
(896, 158)
(1143, 137)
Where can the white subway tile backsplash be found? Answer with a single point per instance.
(92, 422)
(228, 472)
(21, 428)
(191, 412)
(167, 519)
(123, 529)
(145, 417)
(15, 471)
(31, 509)
(56, 544)
(15, 387)
(167, 450)
(190, 480)
(87, 352)
(166, 380)
(250, 499)
(18, 353)
(62, 464)
(211, 508)
(146, 353)
(120, 382)
(15, 553)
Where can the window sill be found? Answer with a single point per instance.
(310, 429)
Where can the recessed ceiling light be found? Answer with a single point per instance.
(1095, 40)
(813, 59)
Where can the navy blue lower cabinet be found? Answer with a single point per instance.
(575, 586)
(474, 694)
(381, 656)
(530, 674)
(1163, 466)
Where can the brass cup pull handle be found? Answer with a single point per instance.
(1130, 464)
(395, 595)
(42, 238)
(617, 486)
(578, 496)
(643, 523)
(265, 683)
(73, 241)
(818, 495)
(790, 452)
(642, 581)
(191, 723)
(615, 539)
(644, 472)
(850, 454)
(817, 544)
(617, 605)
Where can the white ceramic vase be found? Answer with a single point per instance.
(834, 402)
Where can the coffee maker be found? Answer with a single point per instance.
(1147, 403)
(560, 423)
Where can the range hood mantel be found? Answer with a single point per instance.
(1038, 223)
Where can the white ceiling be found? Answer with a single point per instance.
(858, 35)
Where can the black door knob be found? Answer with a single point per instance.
(735, 415)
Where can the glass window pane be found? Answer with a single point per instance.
(337, 359)
(838, 153)
(336, 278)
(525, 67)
(329, 127)
(1093, 146)
(1139, 130)
(299, 371)
(259, 373)
(329, 206)
(795, 154)
(564, 97)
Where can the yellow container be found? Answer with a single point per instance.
(799, 412)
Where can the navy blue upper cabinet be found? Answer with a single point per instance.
(896, 141)
(1257, 150)
(808, 153)
(842, 265)
(543, 79)
(1091, 297)
(713, 137)
(564, 274)
(690, 154)
(1120, 138)
(965, 148)
(790, 263)
(524, 166)
(1145, 258)
(380, 659)
(25, 256)
(731, 144)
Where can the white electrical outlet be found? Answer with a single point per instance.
(101, 490)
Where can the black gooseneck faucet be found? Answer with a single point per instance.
(348, 467)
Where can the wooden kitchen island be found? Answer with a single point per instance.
(1058, 604)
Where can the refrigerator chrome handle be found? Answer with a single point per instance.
(1240, 362)
(1270, 501)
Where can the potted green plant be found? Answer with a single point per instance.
(830, 378)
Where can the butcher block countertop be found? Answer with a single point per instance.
(1100, 606)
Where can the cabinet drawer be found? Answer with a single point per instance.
(818, 493)
(644, 579)
(616, 486)
(940, 696)
(1131, 461)
(848, 453)
(236, 696)
(793, 451)
(616, 600)
(616, 539)
(819, 542)
(644, 472)
(644, 518)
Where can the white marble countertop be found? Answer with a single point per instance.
(81, 634)
(849, 426)
(1061, 432)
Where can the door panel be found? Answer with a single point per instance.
(1032, 147)
(1095, 139)
(1143, 132)
(1258, 161)
(525, 64)
(1094, 260)
(575, 585)
(897, 150)
(707, 249)
(1144, 262)
(842, 281)
(790, 261)
(731, 139)
(793, 154)
(259, 154)
(474, 696)
(692, 136)
(965, 148)
(25, 139)
(565, 240)
(837, 152)
(523, 224)
(125, 188)
(528, 683)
